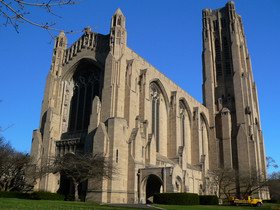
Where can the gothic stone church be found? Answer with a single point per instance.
(102, 97)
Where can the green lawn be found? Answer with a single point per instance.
(201, 207)
(20, 204)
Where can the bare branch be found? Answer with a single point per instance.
(274, 186)
(4, 129)
(49, 4)
(15, 11)
(270, 162)
(81, 167)
(22, 17)
(13, 166)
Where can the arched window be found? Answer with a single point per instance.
(178, 184)
(183, 113)
(155, 100)
(114, 21)
(202, 137)
(203, 141)
(86, 86)
(119, 20)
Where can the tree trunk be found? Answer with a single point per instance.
(76, 191)
(219, 190)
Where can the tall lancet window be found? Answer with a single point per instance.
(204, 143)
(203, 138)
(183, 113)
(86, 87)
(155, 100)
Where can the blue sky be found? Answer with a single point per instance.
(168, 34)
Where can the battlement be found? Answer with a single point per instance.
(86, 41)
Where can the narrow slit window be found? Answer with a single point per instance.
(117, 156)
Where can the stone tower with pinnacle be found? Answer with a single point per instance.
(230, 94)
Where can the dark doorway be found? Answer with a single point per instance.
(153, 186)
(67, 189)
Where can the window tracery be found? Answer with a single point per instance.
(183, 113)
(86, 87)
(155, 99)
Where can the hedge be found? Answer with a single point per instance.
(5, 194)
(176, 198)
(32, 196)
(208, 200)
(271, 201)
(40, 195)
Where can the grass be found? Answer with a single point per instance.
(201, 207)
(20, 204)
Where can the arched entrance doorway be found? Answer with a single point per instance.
(178, 184)
(153, 186)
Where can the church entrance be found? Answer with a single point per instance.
(153, 186)
(66, 188)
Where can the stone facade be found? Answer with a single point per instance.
(101, 97)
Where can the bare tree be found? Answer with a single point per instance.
(251, 183)
(81, 167)
(5, 151)
(274, 186)
(13, 165)
(224, 180)
(273, 179)
(16, 12)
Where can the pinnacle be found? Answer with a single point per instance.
(118, 12)
(61, 33)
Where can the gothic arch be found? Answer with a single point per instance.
(205, 147)
(159, 117)
(163, 91)
(69, 72)
(150, 185)
(119, 20)
(185, 131)
(185, 124)
(184, 101)
(84, 81)
(203, 116)
(179, 185)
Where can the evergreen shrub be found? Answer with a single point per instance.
(176, 198)
(32, 196)
(208, 200)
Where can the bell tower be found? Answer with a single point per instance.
(230, 94)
